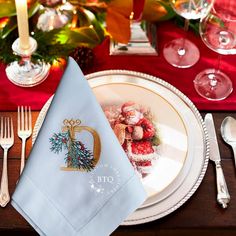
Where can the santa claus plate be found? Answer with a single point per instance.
(160, 130)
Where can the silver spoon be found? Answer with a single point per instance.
(228, 133)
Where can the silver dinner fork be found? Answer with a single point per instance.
(6, 141)
(24, 123)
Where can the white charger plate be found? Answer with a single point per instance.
(184, 148)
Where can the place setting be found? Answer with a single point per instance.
(117, 145)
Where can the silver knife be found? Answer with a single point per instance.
(223, 196)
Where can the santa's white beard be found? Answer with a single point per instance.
(133, 120)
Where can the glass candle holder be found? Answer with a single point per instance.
(25, 73)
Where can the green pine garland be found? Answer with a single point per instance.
(54, 44)
(6, 54)
(49, 48)
(78, 156)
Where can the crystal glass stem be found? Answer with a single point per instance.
(181, 50)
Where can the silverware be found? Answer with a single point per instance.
(24, 123)
(228, 133)
(223, 196)
(6, 141)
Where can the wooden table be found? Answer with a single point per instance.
(200, 215)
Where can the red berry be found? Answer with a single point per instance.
(64, 140)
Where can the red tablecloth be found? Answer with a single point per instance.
(11, 95)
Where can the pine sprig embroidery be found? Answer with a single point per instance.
(59, 141)
(78, 156)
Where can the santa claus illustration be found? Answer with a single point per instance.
(135, 133)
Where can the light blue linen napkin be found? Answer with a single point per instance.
(78, 180)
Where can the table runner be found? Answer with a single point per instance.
(11, 95)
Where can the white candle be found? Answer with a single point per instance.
(23, 24)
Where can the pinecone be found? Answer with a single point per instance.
(84, 57)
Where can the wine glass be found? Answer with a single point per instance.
(218, 32)
(181, 52)
(56, 14)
